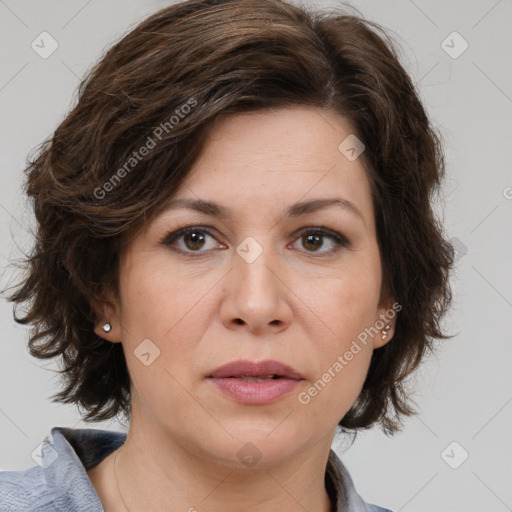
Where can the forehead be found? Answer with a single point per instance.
(277, 157)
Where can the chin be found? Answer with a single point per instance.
(259, 446)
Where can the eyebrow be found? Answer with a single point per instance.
(295, 210)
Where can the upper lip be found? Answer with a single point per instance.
(256, 369)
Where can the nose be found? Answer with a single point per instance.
(256, 296)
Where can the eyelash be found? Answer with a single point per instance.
(339, 240)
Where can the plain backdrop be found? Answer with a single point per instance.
(465, 394)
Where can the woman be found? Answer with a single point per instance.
(237, 254)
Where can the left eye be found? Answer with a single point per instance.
(313, 239)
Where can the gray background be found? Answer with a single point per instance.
(465, 394)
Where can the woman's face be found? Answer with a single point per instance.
(255, 283)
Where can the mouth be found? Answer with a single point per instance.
(254, 383)
(246, 378)
(256, 371)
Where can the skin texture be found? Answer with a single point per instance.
(297, 303)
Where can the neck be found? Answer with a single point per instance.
(162, 475)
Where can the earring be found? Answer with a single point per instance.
(385, 332)
(107, 327)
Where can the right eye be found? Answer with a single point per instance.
(189, 240)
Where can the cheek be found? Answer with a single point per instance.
(156, 298)
(171, 311)
(347, 309)
(347, 305)
(342, 363)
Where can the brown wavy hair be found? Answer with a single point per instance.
(168, 80)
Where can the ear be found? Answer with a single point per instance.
(385, 321)
(106, 309)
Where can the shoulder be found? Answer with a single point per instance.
(59, 482)
(376, 508)
(30, 490)
(343, 490)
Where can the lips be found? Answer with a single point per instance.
(255, 383)
(262, 369)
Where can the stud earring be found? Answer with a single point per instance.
(107, 327)
(385, 332)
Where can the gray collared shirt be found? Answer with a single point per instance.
(59, 483)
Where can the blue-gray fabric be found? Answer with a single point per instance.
(59, 482)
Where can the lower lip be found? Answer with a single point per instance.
(258, 393)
